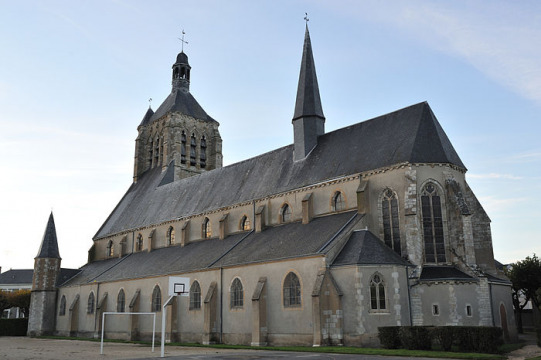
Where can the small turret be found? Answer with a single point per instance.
(181, 73)
(46, 271)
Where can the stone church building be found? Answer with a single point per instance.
(318, 242)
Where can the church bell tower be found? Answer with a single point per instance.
(180, 137)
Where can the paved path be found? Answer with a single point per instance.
(23, 348)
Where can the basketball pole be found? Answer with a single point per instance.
(164, 309)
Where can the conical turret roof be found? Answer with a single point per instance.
(49, 244)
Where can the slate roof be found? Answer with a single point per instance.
(412, 135)
(25, 276)
(17, 277)
(442, 272)
(183, 102)
(293, 240)
(147, 117)
(49, 243)
(364, 248)
(308, 102)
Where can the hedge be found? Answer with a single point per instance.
(13, 327)
(388, 336)
(481, 339)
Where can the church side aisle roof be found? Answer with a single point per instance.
(364, 248)
(409, 135)
(292, 240)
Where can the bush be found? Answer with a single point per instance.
(388, 336)
(445, 336)
(482, 339)
(13, 327)
(415, 337)
(488, 339)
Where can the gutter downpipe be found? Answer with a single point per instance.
(409, 296)
(96, 312)
(221, 304)
(491, 304)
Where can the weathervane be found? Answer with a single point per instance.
(306, 18)
(182, 40)
(149, 102)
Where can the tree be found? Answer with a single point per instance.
(20, 299)
(4, 301)
(525, 276)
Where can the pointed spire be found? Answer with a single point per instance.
(308, 101)
(49, 244)
(308, 119)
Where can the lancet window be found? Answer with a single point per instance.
(183, 148)
(195, 296)
(432, 224)
(203, 153)
(389, 214)
(377, 293)
(236, 294)
(192, 150)
(292, 290)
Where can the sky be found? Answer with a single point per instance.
(76, 78)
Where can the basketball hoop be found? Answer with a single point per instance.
(178, 286)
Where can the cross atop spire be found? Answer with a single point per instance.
(306, 18)
(182, 40)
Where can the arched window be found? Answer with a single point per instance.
(292, 291)
(432, 224)
(206, 229)
(150, 148)
(389, 213)
(245, 223)
(285, 213)
(156, 299)
(236, 294)
(171, 236)
(338, 201)
(203, 154)
(62, 310)
(183, 148)
(377, 293)
(156, 151)
(195, 296)
(161, 150)
(110, 249)
(90, 305)
(139, 243)
(192, 150)
(121, 301)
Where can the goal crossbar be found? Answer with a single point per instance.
(127, 313)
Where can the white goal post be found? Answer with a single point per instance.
(127, 313)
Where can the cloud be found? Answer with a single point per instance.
(527, 157)
(485, 35)
(494, 176)
(497, 205)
